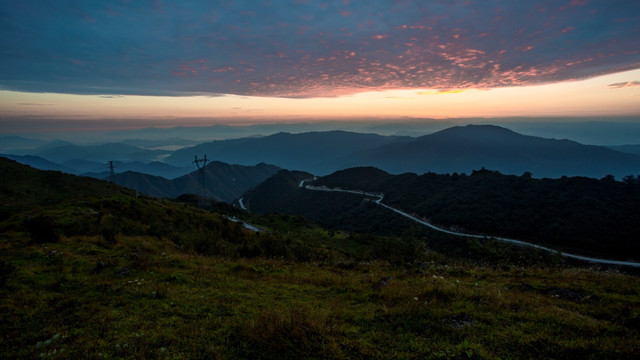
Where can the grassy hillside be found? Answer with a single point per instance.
(24, 188)
(90, 271)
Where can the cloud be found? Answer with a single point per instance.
(624, 84)
(308, 49)
(440, 91)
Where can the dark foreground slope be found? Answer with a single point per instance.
(24, 188)
(223, 182)
(107, 275)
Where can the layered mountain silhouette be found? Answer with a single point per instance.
(39, 163)
(99, 153)
(629, 148)
(100, 170)
(460, 149)
(471, 147)
(222, 181)
(156, 168)
(317, 152)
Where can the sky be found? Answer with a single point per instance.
(253, 60)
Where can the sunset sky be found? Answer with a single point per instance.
(224, 61)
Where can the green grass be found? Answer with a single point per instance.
(142, 298)
(100, 274)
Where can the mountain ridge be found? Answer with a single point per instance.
(317, 152)
(225, 182)
(463, 149)
(457, 149)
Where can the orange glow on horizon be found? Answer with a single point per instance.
(611, 95)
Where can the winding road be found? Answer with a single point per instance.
(378, 200)
(244, 224)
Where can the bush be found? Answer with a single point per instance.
(273, 247)
(207, 244)
(284, 335)
(41, 229)
(109, 229)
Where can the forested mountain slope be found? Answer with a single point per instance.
(584, 215)
(223, 181)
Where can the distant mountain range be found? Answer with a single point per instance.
(15, 144)
(471, 147)
(459, 149)
(631, 149)
(156, 168)
(39, 163)
(100, 170)
(100, 153)
(317, 152)
(223, 181)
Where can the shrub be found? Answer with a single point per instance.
(41, 229)
(109, 229)
(290, 334)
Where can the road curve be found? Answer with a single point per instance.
(380, 196)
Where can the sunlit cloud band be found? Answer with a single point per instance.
(309, 48)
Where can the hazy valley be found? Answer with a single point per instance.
(460, 149)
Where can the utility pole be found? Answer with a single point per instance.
(112, 173)
(202, 189)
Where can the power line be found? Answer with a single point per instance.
(202, 189)
(112, 173)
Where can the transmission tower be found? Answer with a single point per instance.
(202, 189)
(112, 173)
